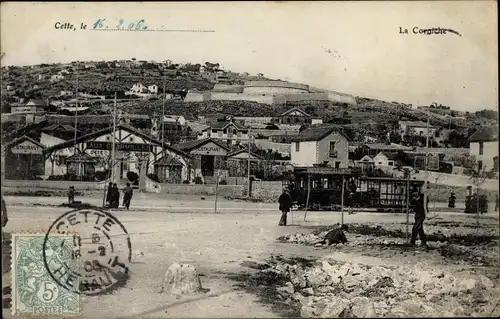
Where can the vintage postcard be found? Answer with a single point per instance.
(249, 159)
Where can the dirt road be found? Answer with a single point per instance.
(218, 245)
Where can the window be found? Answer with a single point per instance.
(495, 163)
(337, 164)
(131, 139)
(333, 151)
(297, 146)
(479, 165)
(391, 163)
(481, 148)
(296, 120)
(214, 131)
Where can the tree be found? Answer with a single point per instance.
(478, 177)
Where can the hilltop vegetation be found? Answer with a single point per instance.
(370, 117)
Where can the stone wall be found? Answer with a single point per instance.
(269, 190)
(53, 185)
(195, 189)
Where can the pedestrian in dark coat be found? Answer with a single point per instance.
(115, 196)
(420, 210)
(127, 196)
(71, 195)
(496, 204)
(285, 203)
(109, 194)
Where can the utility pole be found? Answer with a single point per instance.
(113, 143)
(426, 160)
(76, 122)
(163, 112)
(248, 173)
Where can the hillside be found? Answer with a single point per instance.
(369, 117)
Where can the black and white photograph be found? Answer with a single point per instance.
(271, 159)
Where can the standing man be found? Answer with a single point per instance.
(5, 219)
(109, 194)
(420, 209)
(115, 196)
(127, 196)
(496, 204)
(285, 201)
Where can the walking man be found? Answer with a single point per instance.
(285, 201)
(127, 196)
(420, 209)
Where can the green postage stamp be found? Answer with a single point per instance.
(34, 291)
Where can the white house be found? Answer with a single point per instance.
(153, 89)
(56, 77)
(231, 132)
(416, 128)
(319, 144)
(138, 88)
(484, 147)
(383, 160)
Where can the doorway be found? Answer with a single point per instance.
(207, 165)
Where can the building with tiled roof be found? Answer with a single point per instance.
(320, 144)
(484, 147)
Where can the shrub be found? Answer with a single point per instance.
(185, 182)
(198, 180)
(222, 183)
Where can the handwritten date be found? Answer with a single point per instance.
(102, 24)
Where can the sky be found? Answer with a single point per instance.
(349, 47)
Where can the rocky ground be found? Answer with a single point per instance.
(457, 276)
(245, 272)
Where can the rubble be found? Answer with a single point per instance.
(332, 289)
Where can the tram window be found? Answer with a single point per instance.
(325, 182)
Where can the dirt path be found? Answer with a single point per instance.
(218, 245)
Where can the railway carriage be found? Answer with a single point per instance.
(320, 188)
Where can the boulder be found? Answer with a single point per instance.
(307, 291)
(316, 277)
(307, 312)
(298, 297)
(297, 277)
(334, 308)
(485, 282)
(466, 285)
(286, 290)
(181, 279)
(362, 307)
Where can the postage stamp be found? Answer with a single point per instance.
(34, 291)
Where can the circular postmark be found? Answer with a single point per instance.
(101, 252)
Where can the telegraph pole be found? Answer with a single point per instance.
(113, 143)
(76, 122)
(426, 160)
(163, 113)
(248, 173)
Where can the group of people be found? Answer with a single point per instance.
(419, 205)
(113, 196)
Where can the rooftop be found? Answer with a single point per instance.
(317, 132)
(485, 134)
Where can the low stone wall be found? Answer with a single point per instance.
(55, 185)
(195, 189)
(269, 190)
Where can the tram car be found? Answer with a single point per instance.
(320, 188)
